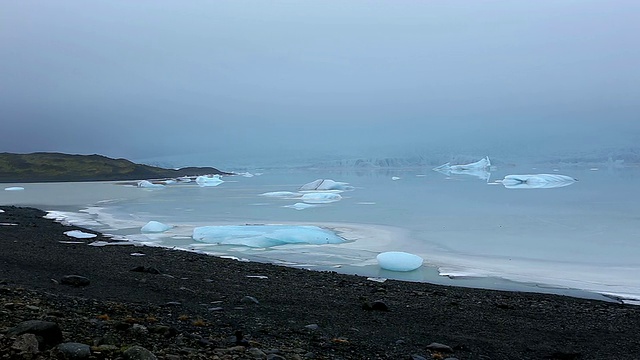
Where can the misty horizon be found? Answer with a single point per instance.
(285, 80)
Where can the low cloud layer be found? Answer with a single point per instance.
(280, 79)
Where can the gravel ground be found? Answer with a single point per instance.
(70, 300)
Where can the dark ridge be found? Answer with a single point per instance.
(52, 167)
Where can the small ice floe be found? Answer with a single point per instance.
(320, 198)
(155, 227)
(264, 236)
(209, 180)
(479, 169)
(234, 258)
(137, 254)
(71, 242)
(184, 179)
(594, 169)
(149, 185)
(81, 219)
(98, 243)
(399, 261)
(325, 185)
(8, 224)
(300, 206)
(1, 211)
(79, 234)
(281, 194)
(115, 237)
(101, 243)
(170, 181)
(538, 181)
(377, 279)
(14, 188)
(395, 178)
(257, 276)
(366, 203)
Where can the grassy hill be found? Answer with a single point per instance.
(49, 167)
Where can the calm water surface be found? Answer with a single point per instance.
(585, 236)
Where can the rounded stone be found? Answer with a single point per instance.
(74, 351)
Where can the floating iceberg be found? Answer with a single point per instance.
(325, 185)
(300, 206)
(399, 261)
(479, 169)
(14, 188)
(320, 198)
(281, 194)
(260, 236)
(539, 181)
(149, 185)
(79, 234)
(209, 180)
(155, 226)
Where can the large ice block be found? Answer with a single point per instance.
(320, 198)
(399, 261)
(260, 236)
(479, 169)
(325, 185)
(209, 180)
(155, 226)
(149, 185)
(538, 181)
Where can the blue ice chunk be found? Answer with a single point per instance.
(399, 261)
(265, 235)
(155, 226)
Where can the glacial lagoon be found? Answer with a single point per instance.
(471, 229)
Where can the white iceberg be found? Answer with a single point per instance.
(155, 226)
(281, 194)
(79, 234)
(538, 181)
(300, 206)
(479, 169)
(325, 185)
(399, 261)
(261, 236)
(14, 188)
(149, 185)
(209, 180)
(320, 198)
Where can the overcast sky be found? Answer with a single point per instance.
(141, 79)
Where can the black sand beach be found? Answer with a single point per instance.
(181, 305)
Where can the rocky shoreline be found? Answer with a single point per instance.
(60, 298)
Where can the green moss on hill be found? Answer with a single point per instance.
(48, 167)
